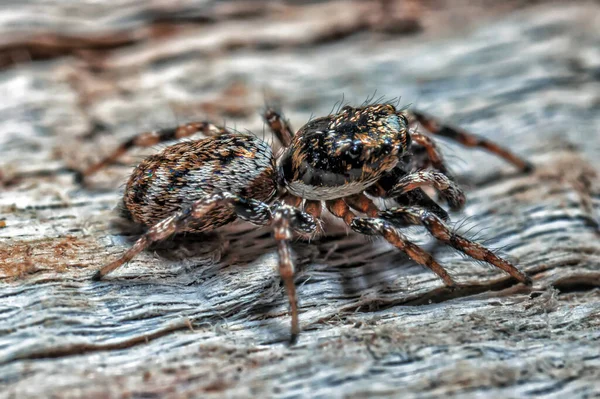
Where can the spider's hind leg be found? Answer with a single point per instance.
(148, 139)
(252, 210)
(284, 218)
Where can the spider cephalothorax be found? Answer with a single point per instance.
(345, 153)
(343, 160)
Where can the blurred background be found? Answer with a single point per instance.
(79, 77)
(95, 73)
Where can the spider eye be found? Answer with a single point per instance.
(386, 147)
(404, 120)
(355, 151)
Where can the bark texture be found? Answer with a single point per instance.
(207, 316)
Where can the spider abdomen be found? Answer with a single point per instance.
(186, 172)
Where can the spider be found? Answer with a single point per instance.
(343, 161)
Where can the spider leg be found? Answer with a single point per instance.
(385, 229)
(279, 126)
(420, 198)
(434, 156)
(362, 203)
(413, 197)
(314, 208)
(148, 139)
(446, 186)
(283, 218)
(251, 210)
(468, 139)
(405, 216)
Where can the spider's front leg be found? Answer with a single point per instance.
(386, 223)
(412, 197)
(418, 196)
(385, 229)
(446, 187)
(406, 216)
(148, 139)
(467, 139)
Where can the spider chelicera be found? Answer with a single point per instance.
(343, 161)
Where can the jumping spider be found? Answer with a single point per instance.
(343, 160)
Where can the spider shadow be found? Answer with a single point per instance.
(380, 276)
(237, 245)
(364, 267)
(370, 273)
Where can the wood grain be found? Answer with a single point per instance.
(207, 316)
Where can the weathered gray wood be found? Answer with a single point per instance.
(207, 316)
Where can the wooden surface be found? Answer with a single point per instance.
(207, 316)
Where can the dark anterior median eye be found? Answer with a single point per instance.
(355, 150)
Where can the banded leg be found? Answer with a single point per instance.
(314, 208)
(405, 216)
(251, 210)
(279, 126)
(286, 219)
(362, 203)
(433, 153)
(385, 229)
(451, 192)
(468, 139)
(283, 218)
(419, 198)
(413, 197)
(148, 139)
